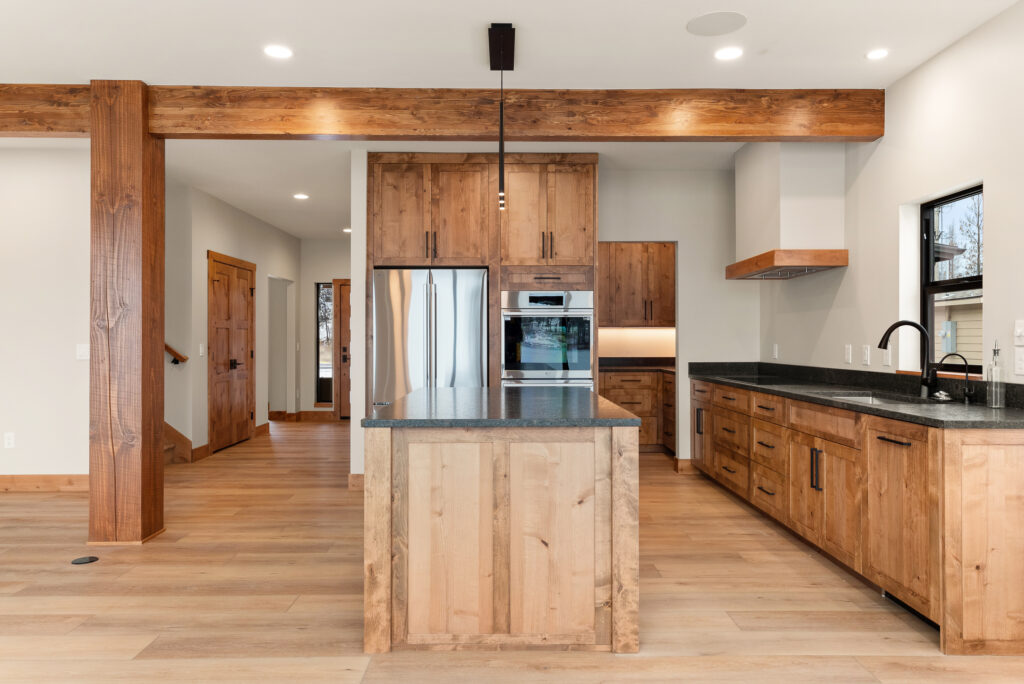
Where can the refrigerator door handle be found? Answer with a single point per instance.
(433, 334)
(427, 332)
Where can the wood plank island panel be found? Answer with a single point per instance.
(469, 114)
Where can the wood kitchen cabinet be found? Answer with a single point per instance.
(700, 442)
(550, 215)
(639, 392)
(461, 206)
(400, 214)
(638, 284)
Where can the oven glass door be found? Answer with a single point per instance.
(554, 345)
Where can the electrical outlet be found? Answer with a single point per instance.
(865, 356)
(775, 351)
(1018, 360)
(848, 353)
(1018, 333)
(82, 352)
(887, 357)
(8, 440)
(202, 349)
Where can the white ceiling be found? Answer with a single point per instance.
(412, 43)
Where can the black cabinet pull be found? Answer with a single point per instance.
(547, 277)
(765, 491)
(552, 250)
(728, 398)
(630, 380)
(700, 421)
(700, 391)
(728, 469)
(543, 246)
(813, 466)
(630, 403)
(426, 243)
(669, 405)
(731, 432)
(894, 441)
(815, 453)
(766, 408)
(766, 445)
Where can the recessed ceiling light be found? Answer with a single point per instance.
(878, 53)
(346, 230)
(716, 23)
(278, 51)
(727, 53)
(300, 195)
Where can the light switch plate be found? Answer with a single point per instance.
(887, 357)
(848, 353)
(1018, 333)
(775, 351)
(865, 356)
(8, 440)
(1018, 360)
(202, 349)
(82, 352)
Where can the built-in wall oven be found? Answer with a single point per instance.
(547, 338)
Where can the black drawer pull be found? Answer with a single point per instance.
(765, 491)
(894, 441)
(700, 391)
(731, 432)
(669, 433)
(629, 380)
(728, 469)
(766, 445)
(728, 398)
(669, 405)
(547, 277)
(766, 408)
(631, 403)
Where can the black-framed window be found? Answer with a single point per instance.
(324, 343)
(952, 266)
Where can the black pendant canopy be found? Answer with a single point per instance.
(502, 40)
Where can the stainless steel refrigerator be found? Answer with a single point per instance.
(429, 330)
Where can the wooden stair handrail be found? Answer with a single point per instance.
(176, 356)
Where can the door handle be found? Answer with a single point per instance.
(813, 461)
(435, 244)
(426, 243)
(233, 364)
(815, 453)
(700, 421)
(552, 250)
(344, 358)
(645, 309)
(543, 246)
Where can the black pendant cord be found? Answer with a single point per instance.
(501, 145)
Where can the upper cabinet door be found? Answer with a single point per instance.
(524, 221)
(460, 214)
(627, 284)
(661, 284)
(570, 214)
(401, 220)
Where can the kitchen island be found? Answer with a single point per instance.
(501, 518)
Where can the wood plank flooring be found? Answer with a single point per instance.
(259, 578)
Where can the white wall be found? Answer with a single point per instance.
(952, 123)
(220, 227)
(357, 368)
(44, 309)
(277, 355)
(322, 261)
(716, 319)
(178, 306)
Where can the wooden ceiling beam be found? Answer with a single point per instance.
(461, 114)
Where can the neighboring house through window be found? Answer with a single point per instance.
(951, 276)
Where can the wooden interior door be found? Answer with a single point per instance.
(805, 504)
(401, 214)
(230, 376)
(841, 478)
(524, 221)
(661, 284)
(570, 220)
(628, 273)
(460, 212)
(342, 375)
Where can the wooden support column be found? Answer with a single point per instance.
(126, 382)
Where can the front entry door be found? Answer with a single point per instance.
(342, 348)
(230, 338)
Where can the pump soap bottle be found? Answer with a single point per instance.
(994, 376)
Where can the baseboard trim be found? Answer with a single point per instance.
(44, 483)
(200, 452)
(281, 416)
(262, 430)
(182, 452)
(316, 416)
(355, 481)
(683, 465)
(126, 543)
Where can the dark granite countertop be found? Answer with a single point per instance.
(635, 364)
(952, 415)
(497, 407)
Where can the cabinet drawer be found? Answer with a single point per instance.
(769, 444)
(731, 430)
(540, 278)
(768, 491)
(731, 398)
(638, 401)
(649, 432)
(733, 471)
(835, 425)
(700, 390)
(628, 379)
(668, 434)
(768, 407)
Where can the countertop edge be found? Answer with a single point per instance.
(496, 422)
(866, 409)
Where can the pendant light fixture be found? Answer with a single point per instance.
(502, 40)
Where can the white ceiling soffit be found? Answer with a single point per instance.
(411, 43)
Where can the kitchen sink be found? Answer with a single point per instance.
(874, 398)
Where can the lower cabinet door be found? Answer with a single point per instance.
(842, 482)
(805, 505)
(768, 491)
(699, 424)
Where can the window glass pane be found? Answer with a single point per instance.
(324, 343)
(957, 229)
(956, 328)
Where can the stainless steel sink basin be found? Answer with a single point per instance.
(874, 398)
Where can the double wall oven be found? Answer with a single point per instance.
(547, 338)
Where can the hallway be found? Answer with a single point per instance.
(258, 578)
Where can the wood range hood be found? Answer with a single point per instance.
(785, 264)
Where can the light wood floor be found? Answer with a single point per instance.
(258, 578)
